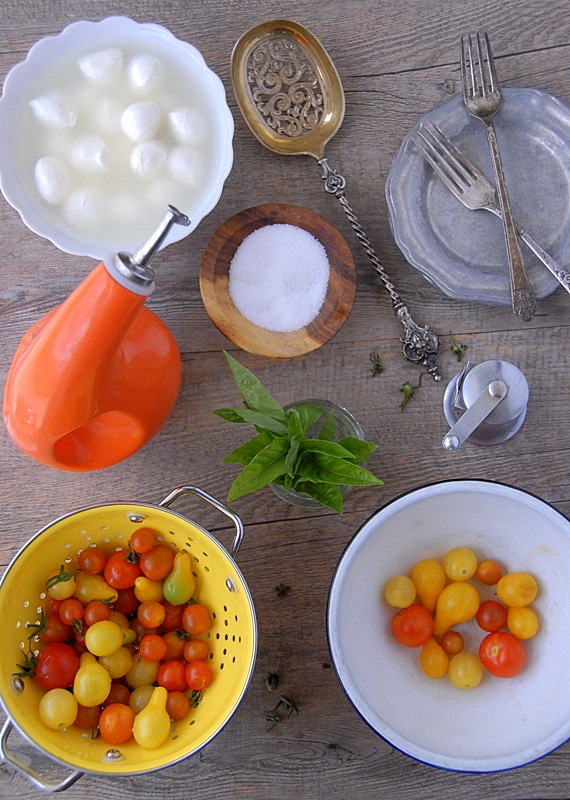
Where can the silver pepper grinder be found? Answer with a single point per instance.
(485, 404)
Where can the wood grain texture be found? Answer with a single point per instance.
(396, 61)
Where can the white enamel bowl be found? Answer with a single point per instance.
(137, 211)
(502, 723)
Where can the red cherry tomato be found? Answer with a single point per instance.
(412, 626)
(71, 610)
(92, 560)
(196, 650)
(175, 645)
(491, 616)
(56, 666)
(502, 654)
(119, 572)
(142, 540)
(152, 647)
(172, 675)
(54, 629)
(96, 611)
(173, 616)
(126, 601)
(177, 705)
(87, 717)
(118, 693)
(198, 675)
(452, 642)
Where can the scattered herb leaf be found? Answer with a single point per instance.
(282, 451)
(409, 391)
(286, 705)
(282, 590)
(377, 366)
(457, 348)
(272, 681)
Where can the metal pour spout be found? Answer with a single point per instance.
(136, 267)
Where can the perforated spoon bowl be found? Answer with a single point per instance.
(292, 99)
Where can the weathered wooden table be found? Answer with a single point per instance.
(396, 62)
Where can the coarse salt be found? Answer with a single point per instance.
(278, 277)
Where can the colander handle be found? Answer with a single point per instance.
(182, 490)
(27, 772)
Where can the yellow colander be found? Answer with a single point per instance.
(219, 585)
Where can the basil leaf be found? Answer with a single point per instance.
(361, 451)
(253, 392)
(324, 493)
(330, 469)
(326, 447)
(255, 418)
(328, 431)
(309, 415)
(292, 456)
(229, 414)
(246, 452)
(267, 465)
(295, 426)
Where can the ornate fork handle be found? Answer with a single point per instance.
(420, 345)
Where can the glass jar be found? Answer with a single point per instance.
(345, 425)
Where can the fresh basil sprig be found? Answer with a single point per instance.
(282, 452)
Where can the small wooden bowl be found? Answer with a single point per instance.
(214, 282)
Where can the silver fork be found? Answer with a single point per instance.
(482, 99)
(471, 187)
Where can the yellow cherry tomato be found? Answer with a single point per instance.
(517, 589)
(141, 672)
(58, 709)
(92, 682)
(428, 577)
(93, 587)
(522, 622)
(118, 663)
(433, 659)
(458, 602)
(147, 589)
(465, 670)
(104, 638)
(61, 584)
(152, 725)
(400, 591)
(460, 564)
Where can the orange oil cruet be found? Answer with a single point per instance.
(94, 379)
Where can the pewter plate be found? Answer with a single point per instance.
(461, 251)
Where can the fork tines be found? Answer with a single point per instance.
(477, 65)
(443, 156)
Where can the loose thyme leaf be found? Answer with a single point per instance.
(457, 348)
(267, 465)
(409, 391)
(272, 681)
(377, 367)
(282, 590)
(253, 392)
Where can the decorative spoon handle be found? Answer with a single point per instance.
(420, 345)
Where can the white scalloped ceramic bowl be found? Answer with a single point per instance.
(102, 189)
(502, 723)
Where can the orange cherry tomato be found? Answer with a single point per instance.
(116, 723)
(151, 614)
(172, 675)
(152, 647)
(452, 642)
(142, 540)
(177, 705)
(488, 572)
(92, 560)
(96, 611)
(196, 619)
(156, 564)
(196, 650)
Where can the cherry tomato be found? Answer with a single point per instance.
(412, 626)
(400, 591)
(54, 629)
(153, 647)
(92, 560)
(58, 709)
(175, 643)
(157, 562)
(57, 665)
(502, 654)
(196, 650)
(104, 638)
(198, 675)
(173, 616)
(517, 589)
(116, 723)
(465, 670)
(151, 614)
(522, 622)
(433, 659)
(488, 572)
(460, 564)
(452, 642)
(172, 675)
(196, 619)
(118, 693)
(96, 611)
(457, 603)
(429, 579)
(87, 717)
(127, 601)
(120, 572)
(491, 616)
(142, 540)
(177, 705)
(71, 611)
